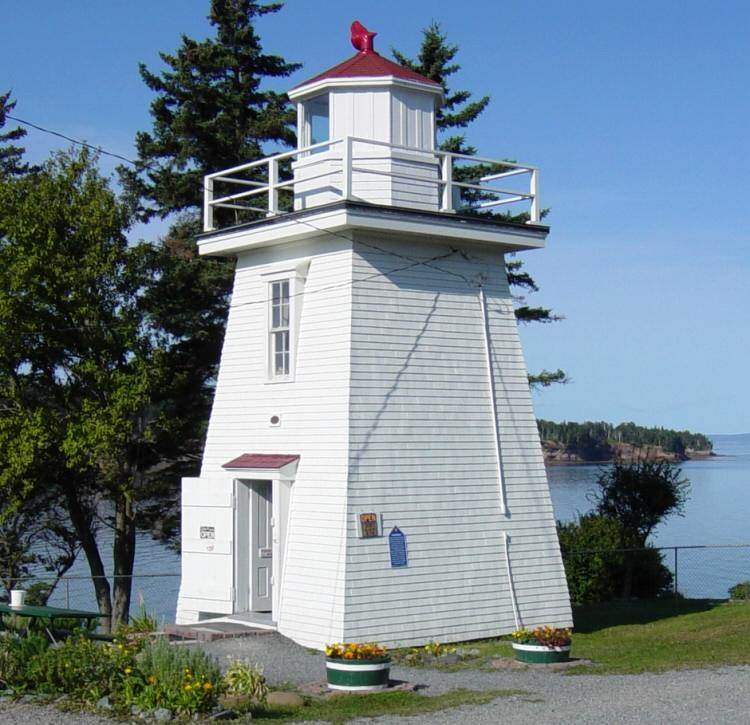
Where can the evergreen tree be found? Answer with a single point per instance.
(436, 60)
(211, 111)
(11, 155)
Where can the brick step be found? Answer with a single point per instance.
(210, 631)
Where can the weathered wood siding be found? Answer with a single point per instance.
(314, 414)
(422, 454)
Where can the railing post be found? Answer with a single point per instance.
(447, 174)
(208, 210)
(346, 169)
(534, 189)
(67, 593)
(273, 192)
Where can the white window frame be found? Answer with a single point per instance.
(304, 120)
(280, 328)
(295, 277)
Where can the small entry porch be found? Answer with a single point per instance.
(232, 572)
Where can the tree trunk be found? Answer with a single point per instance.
(82, 523)
(124, 557)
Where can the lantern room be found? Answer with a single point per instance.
(385, 114)
(366, 134)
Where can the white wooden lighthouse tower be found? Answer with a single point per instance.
(372, 469)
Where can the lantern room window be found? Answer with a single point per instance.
(317, 120)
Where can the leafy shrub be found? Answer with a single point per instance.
(245, 680)
(435, 648)
(589, 552)
(15, 654)
(81, 668)
(598, 570)
(183, 680)
(355, 650)
(139, 629)
(740, 591)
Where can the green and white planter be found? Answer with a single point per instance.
(358, 675)
(539, 654)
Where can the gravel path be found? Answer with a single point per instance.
(27, 714)
(686, 697)
(689, 696)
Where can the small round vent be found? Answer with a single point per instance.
(275, 420)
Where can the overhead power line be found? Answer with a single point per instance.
(77, 142)
(412, 261)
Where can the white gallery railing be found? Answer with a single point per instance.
(267, 185)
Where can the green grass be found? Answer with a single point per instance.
(632, 637)
(652, 636)
(343, 708)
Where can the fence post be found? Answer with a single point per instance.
(346, 169)
(675, 573)
(447, 174)
(67, 593)
(534, 212)
(208, 210)
(273, 192)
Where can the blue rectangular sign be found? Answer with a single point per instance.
(397, 546)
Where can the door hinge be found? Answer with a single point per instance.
(232, 594)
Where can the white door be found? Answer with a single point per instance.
(261, 540)
(207, 549)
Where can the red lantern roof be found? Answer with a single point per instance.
(367, 63)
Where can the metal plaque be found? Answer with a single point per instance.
(265, 553)
(397, 546)
(208, 532)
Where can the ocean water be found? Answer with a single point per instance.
(717, 513)
(716, 516)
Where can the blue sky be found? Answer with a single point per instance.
(637, 114)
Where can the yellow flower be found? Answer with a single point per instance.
(152, 679)
(208, 686)
(128, 670)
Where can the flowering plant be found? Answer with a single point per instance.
(545, 636)
(355, 651)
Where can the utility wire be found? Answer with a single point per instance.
(412, 261)
(141, 166)
(77, 142)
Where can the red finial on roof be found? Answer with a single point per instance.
(362, 38)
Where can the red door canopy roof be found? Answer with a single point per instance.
(261, 460)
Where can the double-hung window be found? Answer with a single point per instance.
(280, 339)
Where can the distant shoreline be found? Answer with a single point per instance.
(555, 455)
(562, 464)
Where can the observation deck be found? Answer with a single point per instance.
(354, 181)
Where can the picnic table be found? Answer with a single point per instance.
(48, 615)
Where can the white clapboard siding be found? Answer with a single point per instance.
(314, 422)
(422, 454)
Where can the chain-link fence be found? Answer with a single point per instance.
(689, 572)
(685, 572)
(156, 593)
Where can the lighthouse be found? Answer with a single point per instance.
(372, 468)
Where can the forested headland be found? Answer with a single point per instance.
(598, 441)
